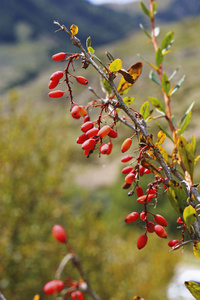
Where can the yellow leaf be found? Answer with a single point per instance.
(74, 29)
(161, 137)
(196, 249)
(197, 158)
(189, 216)
(115, 66)
(194, 288)
(163, 153)
(124, 85)
(128, 100)
(90, 49)
(36, 297)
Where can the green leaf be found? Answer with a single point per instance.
(115, 66)
(144, 30)
(109, 55)
(91, 50)
(154, 78)
(128, 100)
(165, 83)
(185, 123)
(144, 9)
(189, 216)
(185, 150)
(186, 113)
(194, 289)
(161, 128)
(167, 40)
(154, 7)
(105, 86)
(159, 106)
(177, 196)
(88, 42)
(159, 57)
(196, 250)
(145, 110)
(177, 86)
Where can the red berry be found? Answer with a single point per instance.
(126, 145)
(59, 233)
(82, 111)
(127, 169)
(82, 138)
(92, 132)
(141, 170)
(126, 186)
(160, 231)
(53, 84)
(139, 191)
(112, 133)
(142, 241)
(172, 243)
(56, 94)
(104, 149)
(56, 76)
(87, 118)
(126, 158)
(145, 198)
(110, 145)
(81, 80)
(179, 220)
(147, 171)
(75, 112)
(144, 215)
(151, 191)
(86, 126)
(77, 295)
(132, 217)
(104, 131)
(53, 287)
(160, 220)
(130, 178)
(89, 144)
(59, 56)
(150, 227)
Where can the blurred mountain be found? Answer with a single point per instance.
(34, 18)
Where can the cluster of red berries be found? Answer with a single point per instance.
(93, 136)
(156, 226)
(56, 286)
(130, 172)
(58, 75)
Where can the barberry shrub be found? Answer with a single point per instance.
(172, 172)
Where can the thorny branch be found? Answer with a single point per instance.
(140, 124)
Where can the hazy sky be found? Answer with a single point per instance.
(111, 1)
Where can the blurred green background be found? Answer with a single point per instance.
(45, 179)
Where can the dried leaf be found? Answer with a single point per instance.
(135, 71)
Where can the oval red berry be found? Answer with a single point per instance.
(126, 145)
(59, 56)
(132, 217)
(56, 76)
(56, 94)
(142, 241)
(77, 295)
(81, 80)
(53, 287)
(126, 158)
(59, 233)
